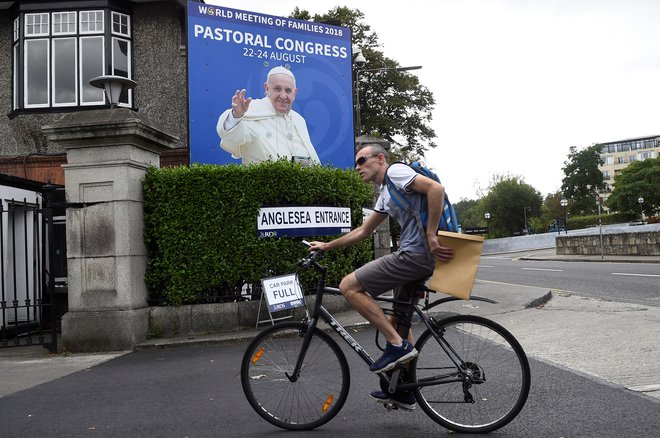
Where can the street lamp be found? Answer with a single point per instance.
(525, 213)
(641, 209)
(113, 86)
(564, 203)
(359, 63)
(487, 216)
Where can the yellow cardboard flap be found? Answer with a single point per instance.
(456, 277)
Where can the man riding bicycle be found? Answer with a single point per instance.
(400, 271)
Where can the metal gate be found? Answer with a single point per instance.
(27, 298)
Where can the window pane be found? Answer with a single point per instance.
(36, 24)
(36, 73)
(120, 66)
(64, 23)
(120, 24)
(120, 57)
(91, 21)
(15, 76)
(64, 71)
(16, 29)
(91, 65)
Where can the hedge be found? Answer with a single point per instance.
(201, 225)
(578, 222)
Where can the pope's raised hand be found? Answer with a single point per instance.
(239, 104)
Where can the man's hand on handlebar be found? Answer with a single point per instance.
(318, 246)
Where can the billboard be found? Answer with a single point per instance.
(302, 111)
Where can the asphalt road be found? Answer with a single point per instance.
(195, 391)
(637, 283)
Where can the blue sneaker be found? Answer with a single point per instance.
(392, 356)
(401, 399)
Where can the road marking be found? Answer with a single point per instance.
(541, 269)
(636, 275)
(486, 266)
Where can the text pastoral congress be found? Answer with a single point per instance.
(256, 40)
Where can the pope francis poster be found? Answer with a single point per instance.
(265, 87)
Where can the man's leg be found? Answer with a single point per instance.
(368, 307)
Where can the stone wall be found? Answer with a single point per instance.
(633, 243)
(168, 321)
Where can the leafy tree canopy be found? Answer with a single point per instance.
(639, 179)
(509, 201)
(393, 104)
(583, 179)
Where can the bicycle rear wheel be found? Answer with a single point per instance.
(486, 383)
(318, 393)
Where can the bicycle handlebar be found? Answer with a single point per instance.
(310, 258)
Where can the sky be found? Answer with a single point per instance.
(517, 82)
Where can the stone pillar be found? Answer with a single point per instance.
(108, 153)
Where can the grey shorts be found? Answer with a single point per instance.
(394, 271)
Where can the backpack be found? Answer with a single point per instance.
(448, 220)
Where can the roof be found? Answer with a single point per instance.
(22, 183)
(9, 4)
(630, 139)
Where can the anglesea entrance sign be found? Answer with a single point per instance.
(292, 221)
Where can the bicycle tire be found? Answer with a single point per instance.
(500, 380)
(315, 397)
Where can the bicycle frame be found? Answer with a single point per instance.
(392, 381)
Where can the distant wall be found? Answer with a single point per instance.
(519, 243)
(547, 240)
(640, 243)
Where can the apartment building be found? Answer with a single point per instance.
(617, 155)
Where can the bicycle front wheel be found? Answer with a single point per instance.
(477, 372)
(305, 402)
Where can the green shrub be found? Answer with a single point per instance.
(201, 225)
(578, 222)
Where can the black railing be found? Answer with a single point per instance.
(27, 299)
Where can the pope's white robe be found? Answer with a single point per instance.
(262, 134)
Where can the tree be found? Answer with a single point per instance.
(469, 213)
(509, 200)
(641, 178)
(583, 179)
(393, 104)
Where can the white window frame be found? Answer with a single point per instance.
(41, 24)
(46, 35)
(64, 14)
(17, 29)
(120, 16)
(54, 72)
(82, 14)
(15, 69)
(80, 73)
(25, 74)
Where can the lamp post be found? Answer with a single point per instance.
(359, 63)
(600, 226)
(564, 204)
(640, 200)
(487, 216)
(525, 213)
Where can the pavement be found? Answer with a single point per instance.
(588, 336)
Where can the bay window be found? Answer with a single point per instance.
(56, 53)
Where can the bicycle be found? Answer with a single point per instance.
(471, 374)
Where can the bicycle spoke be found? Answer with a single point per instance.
(317, 393)
(493, 368)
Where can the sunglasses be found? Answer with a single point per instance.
(360, 161)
